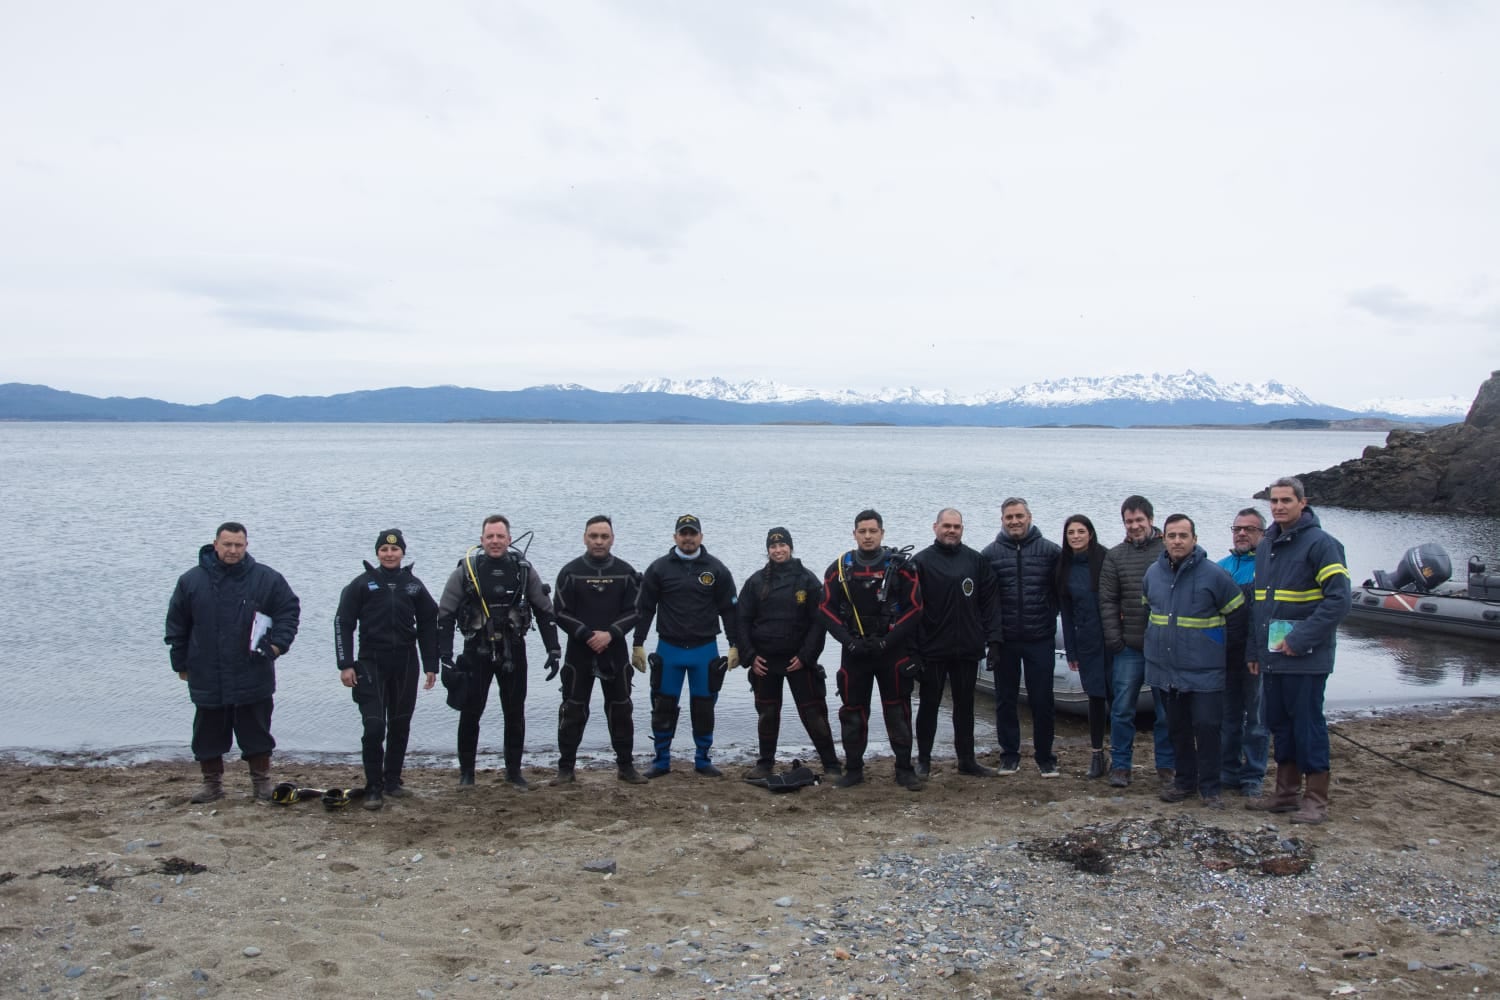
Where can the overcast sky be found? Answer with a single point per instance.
(203, 200)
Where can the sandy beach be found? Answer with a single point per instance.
(113, 885)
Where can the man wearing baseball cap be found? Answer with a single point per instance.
(688, 592)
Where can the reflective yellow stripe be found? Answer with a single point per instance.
(1299, 596)
(1239, 600)
(1332, 569)
(1260, 595)
(1215, 622)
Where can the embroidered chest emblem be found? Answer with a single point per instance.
(968, 587)
(706, 578)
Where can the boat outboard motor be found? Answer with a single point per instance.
(1422, 568)
(1482, 586)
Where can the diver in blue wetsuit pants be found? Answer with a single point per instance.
(690, 593)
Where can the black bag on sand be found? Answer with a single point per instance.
(794, 779)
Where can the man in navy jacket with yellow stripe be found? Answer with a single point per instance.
(1187, 596)
(1302, 592)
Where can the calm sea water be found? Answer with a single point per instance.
(103, 518)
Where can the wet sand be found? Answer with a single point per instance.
(113, 885)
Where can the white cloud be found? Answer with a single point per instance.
(969, 197)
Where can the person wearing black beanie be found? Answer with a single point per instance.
(397, 620)
(781, 637)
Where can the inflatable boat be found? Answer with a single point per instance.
(1417, 595)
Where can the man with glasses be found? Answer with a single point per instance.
(1244, 737)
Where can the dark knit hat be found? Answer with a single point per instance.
(391, 536)
(778, 535)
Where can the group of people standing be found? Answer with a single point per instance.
(1210, 639)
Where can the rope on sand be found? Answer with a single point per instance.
(1409, 767)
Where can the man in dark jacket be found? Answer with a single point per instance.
(1302, 592)
(1245, 739)
(692, 592)
(1187, 597)
(492, 598)
(595, 600)
(1025, 566)
(229, 619)
(872, 606)
(397, 617)
(960, 621)
(1123, 618)
(781, 637)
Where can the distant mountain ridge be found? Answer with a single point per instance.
(1188, 386)
(1119, 401)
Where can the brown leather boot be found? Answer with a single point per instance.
(1314, 801)
(212, 788)
(260, 775)
(1287, 797)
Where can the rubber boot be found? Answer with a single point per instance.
(1098, 765)
(1286, 798)
(1314, 800)
(619, 719)
(260, 775)
(572, 717)
(768, 732)
(468, 747)
(663, 727)
(702, 712)
(212, 788)
(815, 719)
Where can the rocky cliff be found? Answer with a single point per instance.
(1451, 469)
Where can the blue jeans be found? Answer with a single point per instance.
(1127, 675)
(1245, 738)
(1294, 712)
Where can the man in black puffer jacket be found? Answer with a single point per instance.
(960, 621)
(1025, 564)
(229, 619)
(781, 636)
(397, 618)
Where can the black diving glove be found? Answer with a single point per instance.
(554, 663)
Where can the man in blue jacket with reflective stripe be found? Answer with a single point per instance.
(1302, 592)
(1187, 596)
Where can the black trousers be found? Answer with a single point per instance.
(1194, 722)
(809, 694)
(249, 725)
(386, 694)
(512, 685)
(858, 677)
(615, 683)
(1032, 659)
(961, 675)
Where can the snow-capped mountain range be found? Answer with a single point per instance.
(1437, 406)
(1182, 399)
(1153, 388)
